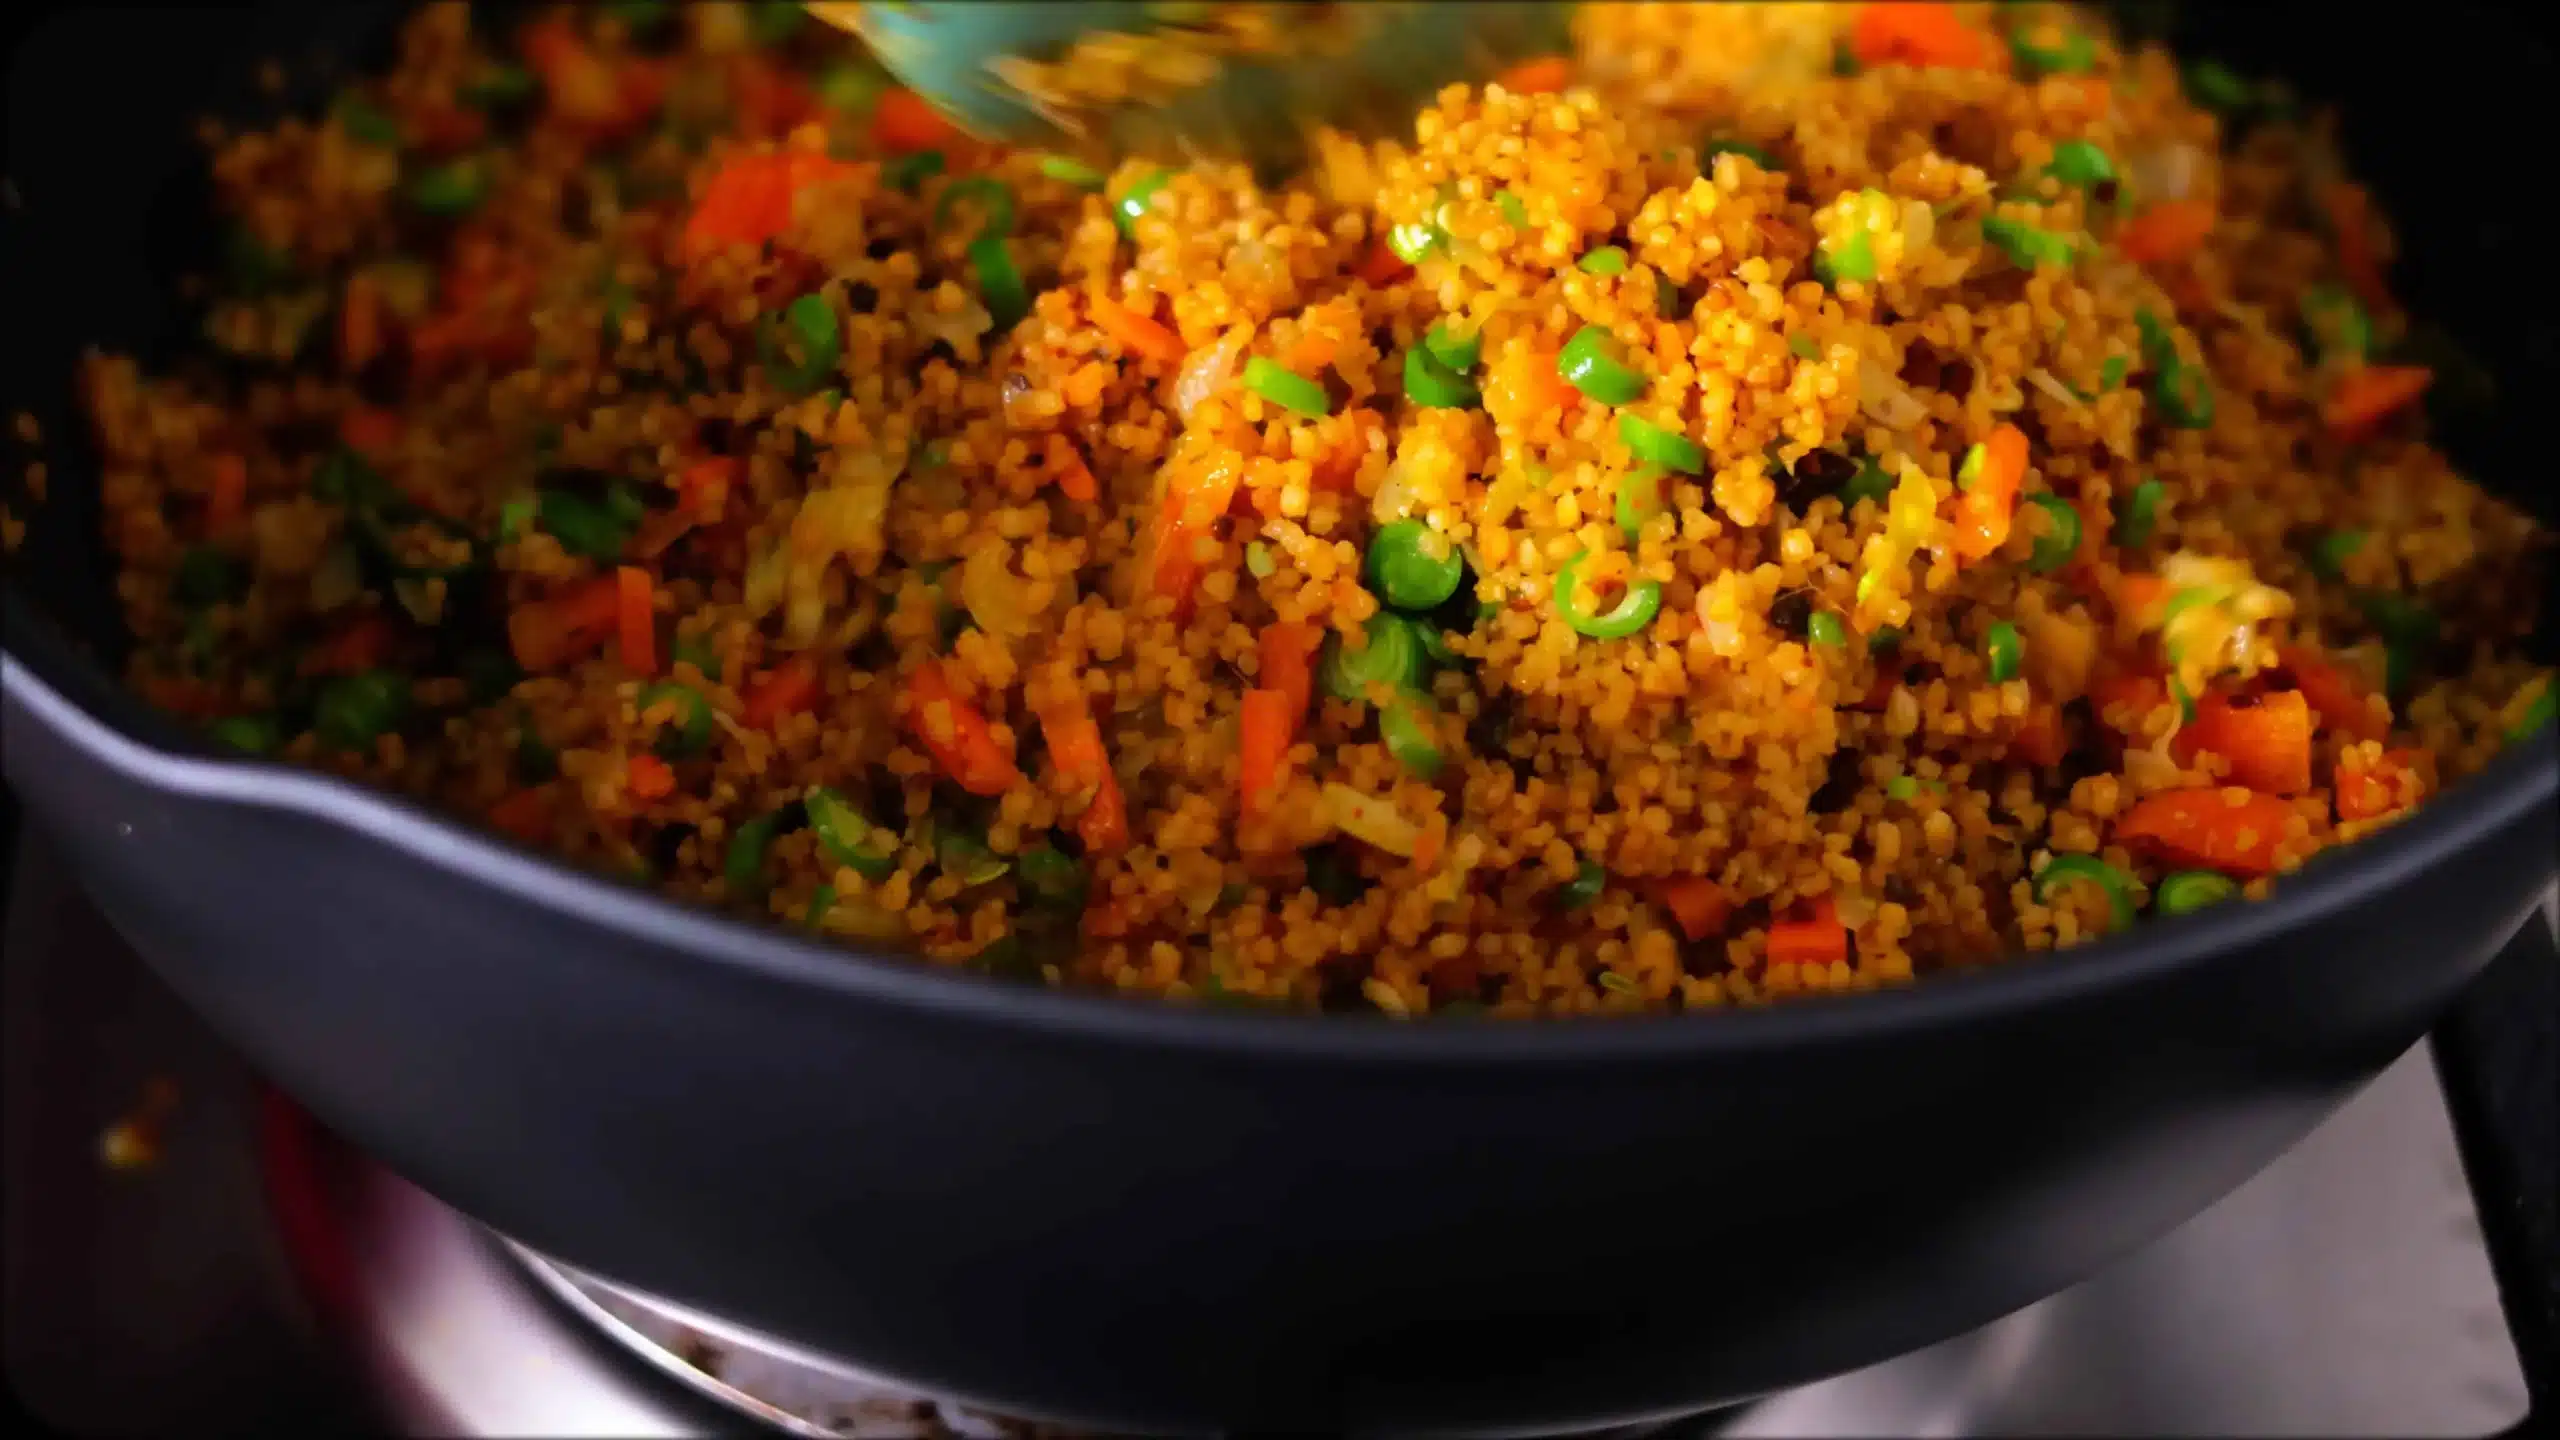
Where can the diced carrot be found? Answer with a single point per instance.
(2170, 230)
(2350, 214)
(2140, 596)
(368, 430)
(1262, 747)
(1382, 266)
(1074, 741)
(2234, 831)
(648, 778)
(359, 322)
(1106, 919)
(226, 500)
(1543, 75)
(636, 620)
(1288, 649)
(2334, 697)
(702, 486)
(748, 200)
(1135, 331)
(2363, 398)
(1699, 904)
(2039, 739)
(902, 122)
(525, 814)
(1103, 827)
(2268, 744)
(786, 689)
(546, 633)
(2367, 788)
(361, 644)
(1985, 509)
(1815, 937)
(1075, 478)
(1915, 34)
(1310, 353)
(955, 733)
(1195, 496)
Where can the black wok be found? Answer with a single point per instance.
(1140, 1216)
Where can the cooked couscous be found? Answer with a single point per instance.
(1782, 499)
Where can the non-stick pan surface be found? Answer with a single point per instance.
(1134, 1215)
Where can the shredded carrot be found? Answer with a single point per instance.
(1075, 478)
(2268, 744)
(1983, 511)
(1104, 825)
(2039, 739)
(2334, 697)
(1195, 497)
(546, 633)
(2367, 788)
(636, 620)
(2362, 399)
(902, 122)
(702, 486)
(359, 322)
(1543, 75)
(361, 644)
(1262, 747)
(2350, 215)
(1135, 331)
(648, 778)
(1920, 35)
(2170, 230)
(1075, 742)
(1382, 266)
(2234, 831)
(786, 689)
(525, 814)
(955, 733)
(1288, 649)
(1699, 904)
(1814, 938)
(227, 499)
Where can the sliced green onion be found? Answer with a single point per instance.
(2061, 539)
(1140, 195)
(256, 734)
(582, 526)
(454, 188)
(367, 123)
(1804, 347)
(1884, 641)
(1657, 446)
(1433, 385)
(2111, 372)
(908, 171)
(1284, 387)
(2027, 246)
(821, 900)
(1514, 213)
(1633, 612)
(2337, 323)
(1969, 470)
(2328, 554)
(966, 858)
(2217, 87)
(1825, 629)
(624, 504)
(1413, 567)
(353, 711)
(2063, 869)
(848, 837)
(1072, 172)
(2138, 512)
(689, 731)
(1607, 260)
(2081, 164)
(994, 197)
(1854, 260)
(499, 84)
(811, 321)
(2004, 648)
(1392, 657)
(1870, 483)
(1585, 886)
(1404, 723)
(2410, 632)
(1458, 352)
(515, 517)
(999, 283)
(2186, 701)
(2188, 891)
(2185, 395)
(1051, 877)
(1416, 243)
(1594, 363)
(1639, 500)
(742, 863)
(1727, 145)
(2538, 712)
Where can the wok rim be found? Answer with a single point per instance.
(120, 735)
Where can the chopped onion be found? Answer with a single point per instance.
(1919, 226)
(1885, 400)
(1395, 497)
(1204, 371)
(1370, 819)
(2042, 379)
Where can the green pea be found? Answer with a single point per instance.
(1404, 723)
(1585, 886)
(2191, 890)
(2005, 649)
(1393, 657)
(1052, 878)
(582, 526)
(804, 354)
(2061, 538)
(353, 711)
(455, 187)
(686, 726)
(366, 122)
(1825, 629)
(256, 734)
(1870, 483)
(1412, 567)
(207, 576)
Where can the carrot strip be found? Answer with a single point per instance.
(2367, 788)
(1075, 478)
(2335, 698)
(525, 814)
(1288, 649)
(902, 122)
(1984, 510)
(1697, 903)
(2170, 230)
(1104, 825)
(546, 633)
(1543, 75)
(702, 486)
(786, 689)
(748, 200)
(2268, 744)
(648, 778)
(1135, 331)
(2039, 739)
(361, 644)
(1814, 938)
(1262, 747)
(955, 733)
(2363, 399)
(2234, 831)
(1919, 35)
(635, 620)
(1310, 353)
(2123, 699)
(227, 500)
(1195, 497)
(1075, 743)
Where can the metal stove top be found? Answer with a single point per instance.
(2344, 1291)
